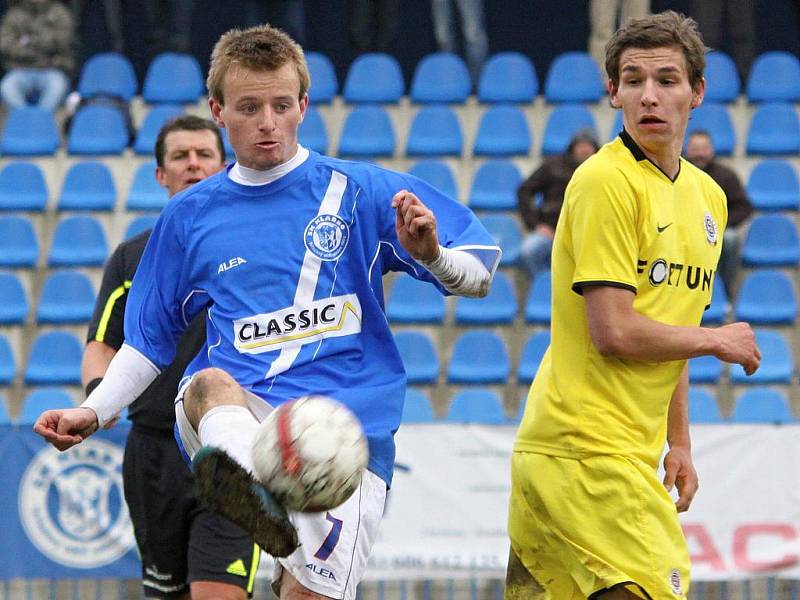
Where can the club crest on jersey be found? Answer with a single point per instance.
(711, 229)
(326, 236)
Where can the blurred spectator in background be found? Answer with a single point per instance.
(700, 152)
(605, 16)
(373, 25)
(550, 180)
(37, 49)
(169, 25)
(731, 19)
(288, 15)
(113, 17)
(475, 43)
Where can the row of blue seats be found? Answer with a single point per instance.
(766, 297)
(478, 357)
(772, 185)
(484, 406)
(368, 131)
(506, 77)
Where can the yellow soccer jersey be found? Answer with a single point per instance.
(623, 224)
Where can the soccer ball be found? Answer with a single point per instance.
(310, 453)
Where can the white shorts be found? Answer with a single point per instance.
(335, 545)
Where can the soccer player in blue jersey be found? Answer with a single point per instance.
(284, 251)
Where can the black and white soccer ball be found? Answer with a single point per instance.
(310, 453)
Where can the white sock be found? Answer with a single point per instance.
(232, 429)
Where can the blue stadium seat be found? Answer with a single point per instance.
(67, 297)
(417, 408)
(438, 174)
(722, 78)
(435, 131)
(19, 246)
(414, 301)
(715, 119)
(139, 224)
(563, 123)
(55, 359)
(531, 357)
(573, 77)
(41, 400)
(771, 241)
(506, 232)
(145, 141)
(8, 367)
(508, 77)
(705, 369)
(98, 129)
(29, 131)
(494, 186)
(78, 241)
(478, 405)
(777, 363)
(523, 401)
(503, 131)
(479, 357)
(538, 305)
(374, 78)
(499, 307)
(616, 127)
(4, 418)
(312, 133)
(419, 356)
(145, 192)
(367, 133)
(108, 74)
(774, 76)
(324, 84)
(88, 186)
(440, 78)
(774, 129)
(773, 185)
(703, 406)
(13, 300)
(762, 405)
(22, 187)
(717, 312)
(766, 297)
(173, 77)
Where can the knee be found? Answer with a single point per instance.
(209, 388)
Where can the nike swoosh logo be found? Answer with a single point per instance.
(661, 229)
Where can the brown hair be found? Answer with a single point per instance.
(186, 123)
(656, 31)
(260, 48)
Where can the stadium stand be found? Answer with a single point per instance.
(532, 354)
(563, 123)
(771, 241)
(498, 307)
(138, 225)
(367, 133)
(503, 131)
(703, 406)
(23, 187)
(494, 186)
(722, 78)
(440, 78)
(173, 78)
(146, 136)
(67, 297)
(413, 301)
(435, 131)
(774, 130)
(717, 312)
(479, 357)
(145, 192)
(8, 365)
(537, 306)
(762, 405)
(508, 77)
(705, 369)
(374, 78)
(108, 74)
(19, 246)
(477, 405)
(773, 185)
(29, 131)
(325, 84)
(78, 241)
(774, 76)
(438, 173)
(506, 232)
(419, 356)
(4, 418)
(55, 359)
(41, 400)
(766, 297)
(417, 407)
(714, 118)
(777, 361)
(98, 129)
(312, 133)
(14, 304)
(573, 77)
(88, 185)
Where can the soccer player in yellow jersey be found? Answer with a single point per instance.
(634, 258)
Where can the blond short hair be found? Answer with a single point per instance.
(259, 48)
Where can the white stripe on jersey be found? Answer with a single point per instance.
(309, 273)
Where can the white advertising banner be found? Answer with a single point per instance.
(446, 511)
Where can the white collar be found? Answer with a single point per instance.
(248, 176)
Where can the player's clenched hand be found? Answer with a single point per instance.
(66, 427)
(416, 226)
(737, 344)
(679, 472)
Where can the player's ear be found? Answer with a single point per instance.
(161, 177)
(698, 92)
(613, 99)
(216, 111)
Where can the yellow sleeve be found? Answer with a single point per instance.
(602, 209)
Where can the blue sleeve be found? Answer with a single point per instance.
(456, 225)
(160, 305)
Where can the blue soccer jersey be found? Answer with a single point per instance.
(290, 274)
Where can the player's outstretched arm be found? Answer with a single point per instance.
(415, 225)
(65, 428)
(618, 330)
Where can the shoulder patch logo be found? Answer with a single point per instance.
(237, 568)
(326, 236)
(711, 228)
